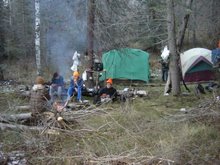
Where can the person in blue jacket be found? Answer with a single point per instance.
(76, 85)
(216, 56)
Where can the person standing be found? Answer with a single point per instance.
(165, 69)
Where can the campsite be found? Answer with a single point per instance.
(99, 82)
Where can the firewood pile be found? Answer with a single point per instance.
(50, 121)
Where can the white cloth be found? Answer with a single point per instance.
(37, 86)
(76, 61)
(84, 76)
(74, 67)
(165, 54)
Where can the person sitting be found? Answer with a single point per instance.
(57, 86)
(76, 85)
(39, 97)
(107, 93)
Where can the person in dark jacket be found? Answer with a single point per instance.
(57, 86)
(107, 93)
(164, 69)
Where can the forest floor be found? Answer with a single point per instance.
(150, 130)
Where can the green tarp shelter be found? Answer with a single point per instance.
(126, 64)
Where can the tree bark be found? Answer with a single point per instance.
(2, 40)
(1, 74)
(174, 69)
(194, 16)
(183, 27)
(37, 36)
(90, 39)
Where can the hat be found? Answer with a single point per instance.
(109, 81)
(39, 80)
(75, 74)
(55, 74)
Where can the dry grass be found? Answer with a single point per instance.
(143, 131)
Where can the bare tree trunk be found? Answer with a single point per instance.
(194, 24)
(90, 38)
(174, 69)
(1, 74)
(183, 27)
(24, 33)
(2, 40)
(37, 36)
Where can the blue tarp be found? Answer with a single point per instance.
(216, 56)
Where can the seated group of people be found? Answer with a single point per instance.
(41, 100)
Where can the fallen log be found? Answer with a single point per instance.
(22, 108)
(44, 130)
(4, 126)
(69, 116)
(15, 117)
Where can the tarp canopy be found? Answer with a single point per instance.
(197, 65)
(126, 64)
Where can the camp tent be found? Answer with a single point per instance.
(196, 65)
(126, 64)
